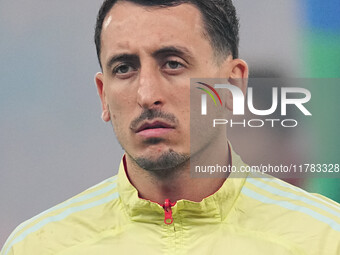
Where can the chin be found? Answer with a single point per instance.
(160, 160)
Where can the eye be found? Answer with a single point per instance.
(123, 69)
(173, 67)
(173, 64)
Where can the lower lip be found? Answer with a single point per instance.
(155, 132)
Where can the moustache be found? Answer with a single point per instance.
(150, 114)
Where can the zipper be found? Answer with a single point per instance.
(168, 212)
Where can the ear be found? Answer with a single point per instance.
(238, 77)
(101, 92)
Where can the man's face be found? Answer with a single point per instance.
(148, 57)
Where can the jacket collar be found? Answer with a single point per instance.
(213, 208)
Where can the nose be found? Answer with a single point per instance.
(150, 92)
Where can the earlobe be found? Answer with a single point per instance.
(101, 92)
(106, 116)
(229, 100)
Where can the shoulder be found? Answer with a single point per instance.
(46, 232)
(277, 208)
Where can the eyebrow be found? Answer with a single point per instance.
(178, 50)
(124, 57)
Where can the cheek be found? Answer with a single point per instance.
(119, 102)
(121, 109)
(182, 106)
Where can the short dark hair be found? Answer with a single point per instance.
(219, 17)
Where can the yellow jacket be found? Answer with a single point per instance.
(247, 215)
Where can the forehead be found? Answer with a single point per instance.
(132, 27)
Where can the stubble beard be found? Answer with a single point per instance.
(167, 165)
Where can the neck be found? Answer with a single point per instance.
(179, 184)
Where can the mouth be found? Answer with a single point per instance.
(153, 125)
(154, 129)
